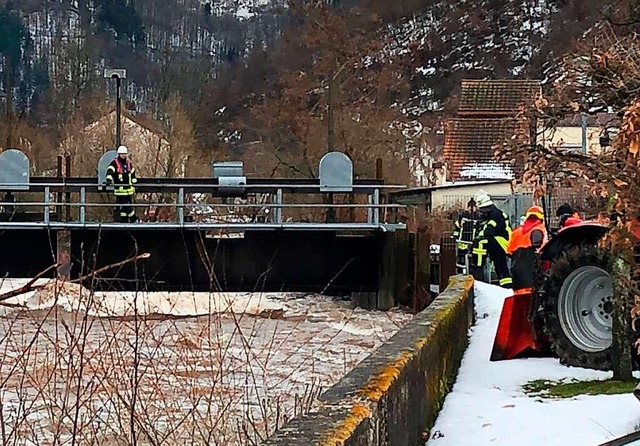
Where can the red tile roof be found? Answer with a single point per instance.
(496, 97)
(470, 144)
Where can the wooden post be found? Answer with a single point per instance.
(422, 270)
(387, 273)
(402, 294)
(379, 173)
(63, 236)
(447, 261)
(63, 247)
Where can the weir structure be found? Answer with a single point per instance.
(203, 241)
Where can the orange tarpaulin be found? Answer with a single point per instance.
(515, 335)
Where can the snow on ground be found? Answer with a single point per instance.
(488, 407)
(200, 368)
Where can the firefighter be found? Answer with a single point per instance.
(122, 175)
(466, 227)
(492, 240)
(515, 334)
(523, 244)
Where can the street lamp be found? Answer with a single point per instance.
(118, 74)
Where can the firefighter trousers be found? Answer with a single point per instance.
(497, 255)
(125, 211)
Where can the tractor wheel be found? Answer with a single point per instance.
(576, 308)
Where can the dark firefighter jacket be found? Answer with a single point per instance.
(122, 175)
(466, 227)
(496, 225)
(523, 244)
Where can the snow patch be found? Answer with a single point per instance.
(488, 406)
(487, 171)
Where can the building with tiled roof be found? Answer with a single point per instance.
(496, 97)
(485, 120)
(470, 145)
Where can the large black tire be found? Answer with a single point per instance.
(577, 333)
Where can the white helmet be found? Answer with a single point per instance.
(482, 199)
(122, 150)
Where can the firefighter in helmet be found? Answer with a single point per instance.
(492, 240)
(464, 232)
(524, 243)
(122, 175)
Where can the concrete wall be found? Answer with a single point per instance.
(270, 261)
(393, 397)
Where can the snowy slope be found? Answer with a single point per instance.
(488, 407)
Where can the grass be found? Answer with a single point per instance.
(573, 388)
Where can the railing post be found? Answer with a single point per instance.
(279, 208)
(46, 205)
(181, 206)
(376, 210)
(83, 198)
(369, 209)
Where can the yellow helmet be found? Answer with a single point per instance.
(536, 211)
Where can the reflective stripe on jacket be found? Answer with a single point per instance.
(496, 226)
(123, 176)
(465, 231)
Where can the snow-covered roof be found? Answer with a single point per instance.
(494, 171)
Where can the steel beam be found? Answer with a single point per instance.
(54, 225)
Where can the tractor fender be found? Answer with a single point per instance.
(585, 232)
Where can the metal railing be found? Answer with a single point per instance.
(84, 188)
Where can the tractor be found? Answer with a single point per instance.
(571, 308)
(573, 303)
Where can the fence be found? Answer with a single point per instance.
(199, 202)
(515, 205)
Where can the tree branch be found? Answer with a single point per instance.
(145, 255)
(29, 286)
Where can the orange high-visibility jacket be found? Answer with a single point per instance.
(525, 240)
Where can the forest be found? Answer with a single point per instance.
(277, 83)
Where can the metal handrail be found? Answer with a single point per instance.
(231, 226)
(203, 185)
(196, 205)
(276, 191)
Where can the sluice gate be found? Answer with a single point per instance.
(334, 234)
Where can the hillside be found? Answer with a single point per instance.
(225, 65)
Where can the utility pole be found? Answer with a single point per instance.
(330, 216)
(330, 138)
(118, 74)
(9, 101)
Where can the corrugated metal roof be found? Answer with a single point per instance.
(470, 145)
(496, 97)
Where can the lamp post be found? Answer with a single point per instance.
(118, 74)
